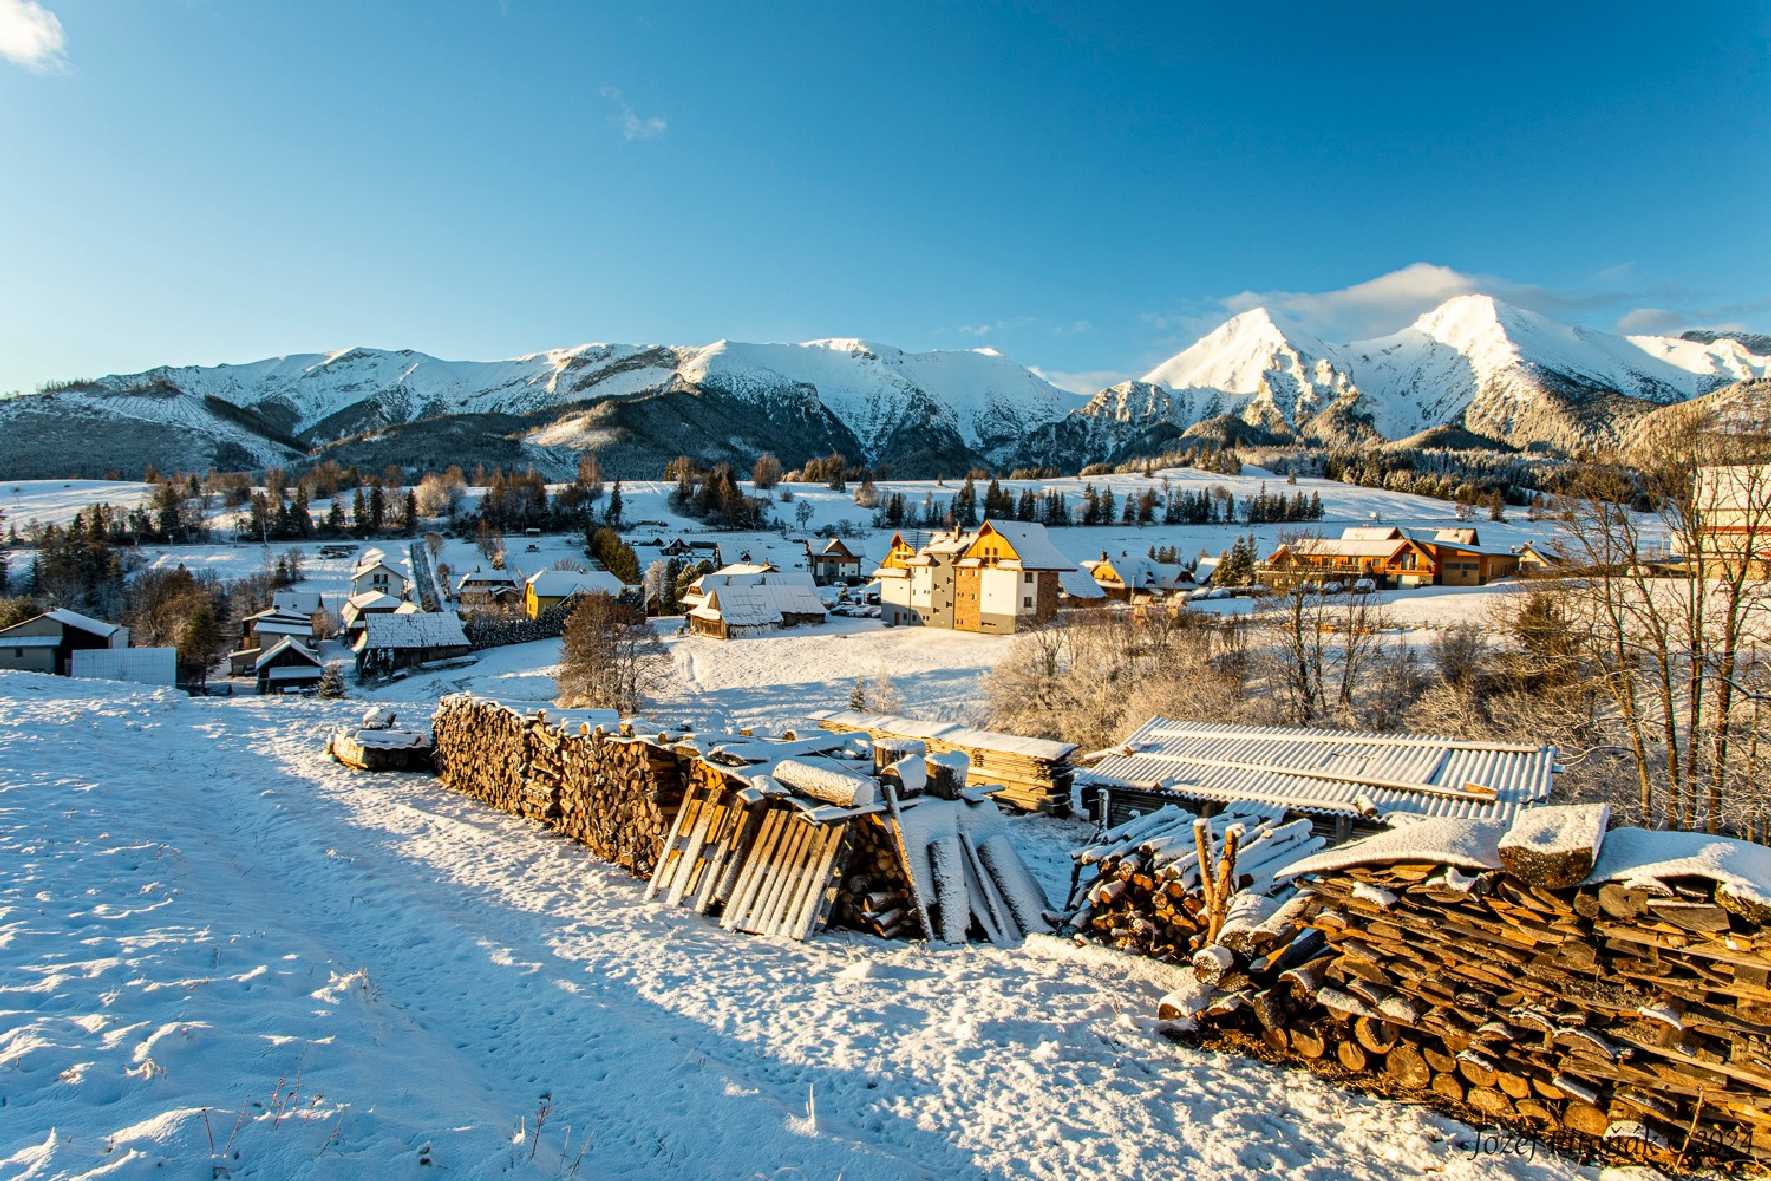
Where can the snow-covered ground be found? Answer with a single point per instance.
(54, 502)
(222, 955)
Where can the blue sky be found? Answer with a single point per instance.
(199, 181)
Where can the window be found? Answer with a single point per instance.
(1027, 578)
(1026, 601)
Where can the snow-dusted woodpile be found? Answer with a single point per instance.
(1171, 885)
(377, 744)
(613, 792)
(1546, 975)
(776, 836)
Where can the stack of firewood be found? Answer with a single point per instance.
(613, 792)
(1526, 978)
(482, 750)
(618, 795)
(876, 893)
(1165, 884)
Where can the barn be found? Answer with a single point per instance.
(47, 642)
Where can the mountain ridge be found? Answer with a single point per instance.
(1473, 364)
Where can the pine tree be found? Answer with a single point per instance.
(858, 696)
(331, 684)
(612, 514)
(359, 512)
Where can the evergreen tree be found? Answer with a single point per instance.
(965, 506)
(331, 684)
(359, 513)
(377, 507)
(612, 514)
(411, 514)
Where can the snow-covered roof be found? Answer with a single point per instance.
(282, 625)
(486, 578)
(1344, 772)
(1344, 547)
(1031, 544)
(1140, 572)
(561, 584)
(85, 623)
(372, 601)
(1075, 583)
(763, 604)
(296, 602)
(1450, 539)
(369, 567)
(834, 548)
(421, 629)
(286, 644)
(1444, 840)
(1370, 533)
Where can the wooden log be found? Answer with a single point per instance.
(1405, 1066)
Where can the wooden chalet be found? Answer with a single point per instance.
(835, 564)
(1389, 557)
(740, 601)
(1001, 579)
(372, 573)
(481, 588)
(288, 666)
(46, 643)
(1460, 558)
(264, 628)
(1125, 574)
(1537, 562)
(401, 640)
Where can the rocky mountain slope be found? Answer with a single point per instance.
(1473, 363)
(921, 413)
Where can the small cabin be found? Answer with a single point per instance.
(548, 589)
(288, 666)
(400, 640)
(835, 564)
(47, 642)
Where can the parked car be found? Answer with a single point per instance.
(1364, 586)
(1331, 588)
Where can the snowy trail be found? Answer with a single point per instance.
(192, 884)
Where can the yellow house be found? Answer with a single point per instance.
(549, 588)
(899, 556)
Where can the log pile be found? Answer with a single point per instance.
(1149, 895)
(774, 836)
(1611, 989)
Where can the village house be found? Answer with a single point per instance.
(548, 589)
(481, 588)
(750, 598)
(288, 666)
(372, 573)
(899, 554)
(1120, 576)
(1732, 505)
(1389, 557)
(360, 607)
(266, 627)
(394, 641)
(693, 553)
(834, 564)
(1385, 555)
(1000, 579)
(46, 643)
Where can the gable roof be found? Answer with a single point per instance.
(286, 644)
(1078, 584)
(761, 604)
(1031, 543)
(834, 548)
(479, 577)
(1344, 547)
(372, 601)
(85, 623)
(1370, 533)
(370, 568)
(296, 602)
(420, 629)
(1138, 572)
(561, 584)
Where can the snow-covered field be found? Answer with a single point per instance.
(222, 955)
(54, 502)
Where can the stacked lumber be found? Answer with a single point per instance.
(875, 892)
(1030, 774)
(482, 750)
(1169, 884)
(1550, 977)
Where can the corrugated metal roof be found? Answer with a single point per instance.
(1347, 772)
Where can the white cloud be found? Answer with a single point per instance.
(1085, 381)
(633, 125)
(31, 35)
(1651, 322)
